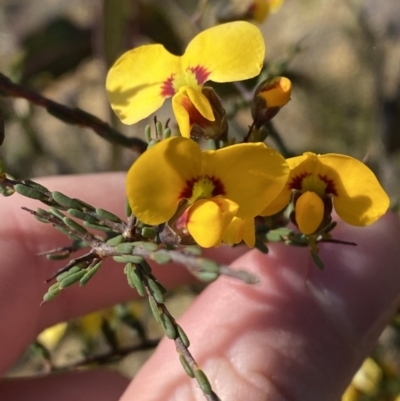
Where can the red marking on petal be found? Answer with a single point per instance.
(195, 116)
(296, 181)
(200, 73)
(167, 90)
(188, 190)
(218, 190)
(330, 185)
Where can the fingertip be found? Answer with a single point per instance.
(100, 385)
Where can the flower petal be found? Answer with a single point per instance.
(360, 199)
(238, 230)
(249, 232)
(189, 105)
(280, 202)
(259, 10)
(252, 175)
(208, 219)
(158, 177)
(201, 103)
(309, 212)
(227, 52)
(275, 5)
(134, 82)
(181, 112)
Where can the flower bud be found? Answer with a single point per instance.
(253, 10)
(270, 96)
(203, 128)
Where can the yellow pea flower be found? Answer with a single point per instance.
(260, 9)
(240, 230)
(216, 186)
(322, 180)
(255, 10)
(270, 96)
(141, 79)
(51, 336)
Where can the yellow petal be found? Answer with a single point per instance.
(240, 230)
(158, 177)
(135, 82)
(180, 109)
(189, 105)
(276, 92)
(252, 175)
(309, 212)
(234, 232)
(201, 103)
(260, 10)
(208, 219)
(275, 5)
(51, 336)
(249, 232)
(91, 324)
(227, 52)
(360, 199)
(279, 203)
(293, 162)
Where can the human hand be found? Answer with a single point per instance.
(299, 334)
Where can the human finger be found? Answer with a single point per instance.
(299, 334)
(23, 274)
(100, 385)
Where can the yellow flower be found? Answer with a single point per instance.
(270, 96)
(240, 230)
(141, 79)
(215, 186)
(255, 10)
(320, 180)
(260, 9)
(51, 336)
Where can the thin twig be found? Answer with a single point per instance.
(195, 264)
(74, 116)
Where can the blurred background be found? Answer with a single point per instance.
(343, 58)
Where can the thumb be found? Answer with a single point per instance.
(299, 334)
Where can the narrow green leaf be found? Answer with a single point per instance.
(128, 259)
(161, 257)
(154, 309)
(183, 336)
(56, 212)
(82, 216)
(209, 265)
(72, 279)
(156, 290)
(74, 225)
(65, 200)
(168, 326)
(206, 276)
(89, 274)
(134, 278)
(114, 241)
(72, 270)
(51, 294)
(203, 381)
(126, 248)
(149, 232)
(29, 192)
(97, 227)
(186, 366)
(108, 215)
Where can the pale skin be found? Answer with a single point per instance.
(298, 335)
